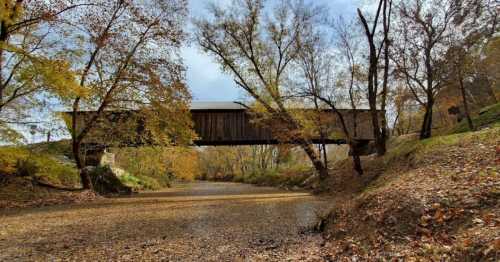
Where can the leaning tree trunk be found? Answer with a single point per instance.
(318, 164)
(306, 145)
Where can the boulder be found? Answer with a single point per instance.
(106, 182)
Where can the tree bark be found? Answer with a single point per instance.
(357, 163)
(372, 78)
(3, 39)
(84, 176)
(318, 164)
(466, 104)
(387, 9)
(86, 181)
(322, 146)
(426, 131)
(325, 155)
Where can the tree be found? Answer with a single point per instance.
(30, 60)
(424, 30)
(477, 18)
(459, 67)
(473, 25)
(405, 112)
(159, 164)
(491, 63)
(383, 12)
(258, 53)
(324, 83)
(130, 62)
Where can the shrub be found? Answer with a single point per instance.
(26, 167)
(19, 161)
(9, 157)
(140, 182)
(489, 115)
(106, 182)
(156, 167)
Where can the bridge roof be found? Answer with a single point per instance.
(228, 105)
(197, 105)
(222, 106)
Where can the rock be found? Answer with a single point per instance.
(106, 182)
(107, 159)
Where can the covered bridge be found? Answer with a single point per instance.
(231, 123)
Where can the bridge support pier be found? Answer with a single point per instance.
(362, 148)
(93, 155)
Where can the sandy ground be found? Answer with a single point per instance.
(190, 222)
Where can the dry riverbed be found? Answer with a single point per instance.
(190, 222)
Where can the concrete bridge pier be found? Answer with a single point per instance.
(98, 156)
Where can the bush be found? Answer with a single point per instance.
(156, 167)
(26, 167)
(286, 177)
(57, 172)
(9, 157)
(140, 182)
(105, 181)
(487, 116)
(19, 161)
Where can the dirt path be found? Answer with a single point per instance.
(190, 222)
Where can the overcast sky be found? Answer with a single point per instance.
(205, 78)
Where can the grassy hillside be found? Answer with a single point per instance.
(432, 199)
(487, 116)
(22, 168)
(52, 163)
(53, 168)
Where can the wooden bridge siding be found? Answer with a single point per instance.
(230, 125)
(219, 126)
(234, 127)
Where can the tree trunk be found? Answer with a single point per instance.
(385, 85)
(84, 176)
(466, 104)
(318, 164)
(426, 131)
(357, 164)
(86, 181)
(76, 147)
(1, 78)
(356, 159)
(325, 156)
(377, 134)
(373, 77)
(372, 101)
(3, 39)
